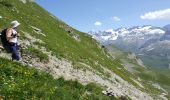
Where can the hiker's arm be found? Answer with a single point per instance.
(9, 34)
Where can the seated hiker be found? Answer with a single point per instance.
(11, 36)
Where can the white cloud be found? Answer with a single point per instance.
(97, 23)
(161, 14)
(115, 18)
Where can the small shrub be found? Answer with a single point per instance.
(92, 87)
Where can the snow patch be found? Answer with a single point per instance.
(150, 49)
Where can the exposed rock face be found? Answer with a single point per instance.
(71, 33)
(37, 30)
(139, 61)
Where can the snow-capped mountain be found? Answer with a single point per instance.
(103, 36)
(129, 38)
(148, 41)
(138, 32)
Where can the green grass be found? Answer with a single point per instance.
(161, 62)
(21, 82)
(33, 52)
(40, 44)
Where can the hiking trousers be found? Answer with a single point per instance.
(14, 50)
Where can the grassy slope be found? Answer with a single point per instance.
(161, 77)
(21, 82)
(57, 38)
(162, 62)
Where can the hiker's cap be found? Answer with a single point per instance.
(15, 24)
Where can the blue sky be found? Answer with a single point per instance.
(86, 15)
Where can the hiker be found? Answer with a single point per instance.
(10, 40)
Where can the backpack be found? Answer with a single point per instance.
(4, 40)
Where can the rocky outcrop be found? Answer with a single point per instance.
(37, 30)
(138, 60)
(71, 32)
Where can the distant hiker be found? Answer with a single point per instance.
(9, 40)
